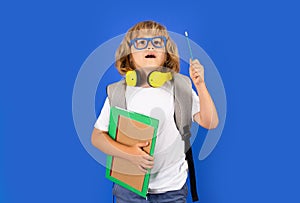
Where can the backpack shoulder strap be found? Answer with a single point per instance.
(183, 104)
(116, 94)
(183, 100)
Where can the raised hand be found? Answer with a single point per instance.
(196, 72)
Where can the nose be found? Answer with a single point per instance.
(150, 45)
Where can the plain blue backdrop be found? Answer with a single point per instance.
(254, 44)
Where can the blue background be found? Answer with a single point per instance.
(254, 45)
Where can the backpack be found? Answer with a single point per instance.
(182, 115)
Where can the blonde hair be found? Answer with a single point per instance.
(123, 54)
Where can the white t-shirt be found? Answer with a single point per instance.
(170, 167)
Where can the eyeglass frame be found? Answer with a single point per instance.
(148, 39)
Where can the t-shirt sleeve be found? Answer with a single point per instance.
(196, 104)
(103, 119)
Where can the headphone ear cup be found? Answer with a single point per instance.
(158, 79)
(133, 78)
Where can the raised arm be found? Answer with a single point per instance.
(208, 116)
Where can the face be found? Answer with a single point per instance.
(148, 51)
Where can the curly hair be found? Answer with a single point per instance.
(123, 54)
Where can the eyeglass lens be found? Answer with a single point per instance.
(157, 42)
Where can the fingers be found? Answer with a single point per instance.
(194, 61)
(148, 159)
(196, 68)
(196, 71)
(141, 158)
(147, 163)
(142, 169)
(195, 64)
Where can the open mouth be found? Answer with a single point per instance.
(150, 56)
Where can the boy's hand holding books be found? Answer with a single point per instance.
(139, 157)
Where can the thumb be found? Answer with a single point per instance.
(143, 144)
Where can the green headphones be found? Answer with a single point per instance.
(154, 79)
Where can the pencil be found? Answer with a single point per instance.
(188, 41)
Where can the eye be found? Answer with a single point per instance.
(157, 42)
(141, 42)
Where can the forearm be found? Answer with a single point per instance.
(135, 154)
(208, 113)
(102, 141)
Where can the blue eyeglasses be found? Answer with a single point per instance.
(142, 43)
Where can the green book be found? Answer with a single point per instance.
(130, 128)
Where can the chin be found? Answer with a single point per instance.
(153, 65)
